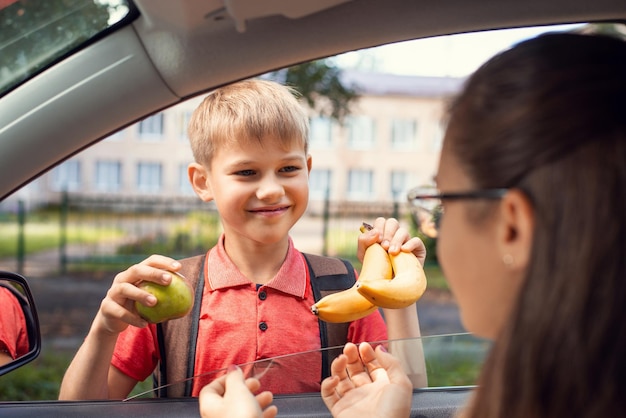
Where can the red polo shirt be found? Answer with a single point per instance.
(13, 329)
(241, 324)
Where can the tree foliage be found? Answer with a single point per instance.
(321, 87)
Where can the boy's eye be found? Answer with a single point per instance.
(289, 169)
(245, 173)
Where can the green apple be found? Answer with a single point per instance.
(173, 301)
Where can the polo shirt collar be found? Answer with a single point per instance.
(221, 272)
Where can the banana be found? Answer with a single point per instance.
(376, 264)
(407, 286)
(349, 305)
(345, 306)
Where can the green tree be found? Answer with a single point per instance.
(321, 87)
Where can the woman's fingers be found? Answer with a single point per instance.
(393, 370)
(265, 400)
(329, 392)
(371, 359)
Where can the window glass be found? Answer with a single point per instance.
(361, 134)
(113, 221)
(149, 177)
(437, 139)
(184, 118)
(403, 134)
(399, 185)
(34, 34)
(108, 176)
(360, 184)
(321, 132)
(183, 181)
(319, 184)
(151, 128)
(66, 177)
(116, 137)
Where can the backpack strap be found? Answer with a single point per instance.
(330, 275)
(177, 338)
(327, 275)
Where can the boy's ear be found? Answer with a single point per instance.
(309, 162)
(199, 179)
(516, 229)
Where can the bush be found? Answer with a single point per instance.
(38, 380)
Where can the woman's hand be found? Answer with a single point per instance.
(232, 396)
(367, 383)
(392, 237)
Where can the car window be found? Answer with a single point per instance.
(450, 360)
(71, 230)
(35, 34)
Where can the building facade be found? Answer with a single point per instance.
(389, 143)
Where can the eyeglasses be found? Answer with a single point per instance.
(427, 209)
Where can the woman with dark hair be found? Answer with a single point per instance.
(532, 178)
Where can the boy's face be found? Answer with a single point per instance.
(260, 189)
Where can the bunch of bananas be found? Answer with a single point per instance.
(386, 281)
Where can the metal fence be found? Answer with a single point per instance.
(106, 232)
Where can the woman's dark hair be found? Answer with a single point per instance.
(548, 117)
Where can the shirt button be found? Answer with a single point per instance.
(263, 326)
(262, 295)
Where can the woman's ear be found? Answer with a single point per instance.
(516, 229)
(199, 179)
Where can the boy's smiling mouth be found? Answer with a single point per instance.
(270, 210)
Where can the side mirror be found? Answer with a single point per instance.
(20, 337)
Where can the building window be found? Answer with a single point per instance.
(438, 137)
(321, 132)
(151, 128)
(361, 132)
(403, 134)
(360, 185)
(108, 176)
(185, 117)
(183, 181)
(66, 177)
(115, 137)
(399, 185)
(319, 184)
(149, 177)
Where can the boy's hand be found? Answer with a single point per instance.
(117, 308)
(392, 237)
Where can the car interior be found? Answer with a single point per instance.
(159, 53)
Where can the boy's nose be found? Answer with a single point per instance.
(270, 189)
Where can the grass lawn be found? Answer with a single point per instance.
(45, 236)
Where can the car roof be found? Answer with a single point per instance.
(176, 50)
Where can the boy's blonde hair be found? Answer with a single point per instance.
(250, 110)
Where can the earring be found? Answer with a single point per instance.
(508, 260)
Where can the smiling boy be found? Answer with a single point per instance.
(250, 145)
